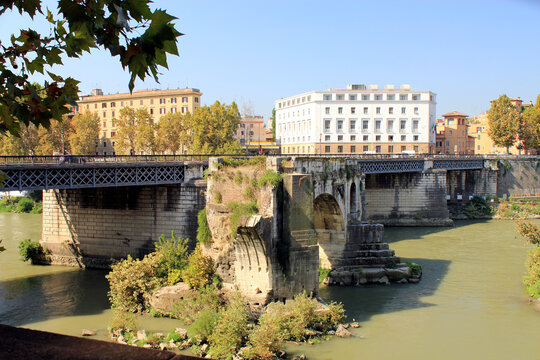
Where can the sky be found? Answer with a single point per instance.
(254, 52)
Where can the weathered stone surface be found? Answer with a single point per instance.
(164, 299)
(86, 332)
(141, 335)
(402, 272)
(355, 325)
(182, 332)
(204, 348)
(343, 332)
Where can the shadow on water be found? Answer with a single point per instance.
(396, 234)
(38, 298)
(361, 303)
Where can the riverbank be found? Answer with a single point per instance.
(499, 209)
(20, 204)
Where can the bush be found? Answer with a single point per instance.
(478, 207)
(37, 209)
(532, 278)
(131, 282)
(200, 270)
(25, 205)
(415, 268)
(172, 253)
(270, 177)
(232, 162)
(31, 250)
(194, 303)
(203, 231)
(323, 274)
(529, 231)
(123, 320)
(203, 326)
(239, 209)
(230, 330)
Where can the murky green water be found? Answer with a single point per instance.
(470, 303)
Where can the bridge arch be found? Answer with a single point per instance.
(329, 227)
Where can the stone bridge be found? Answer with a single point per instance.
(327, 211)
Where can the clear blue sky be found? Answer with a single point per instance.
(254, 51)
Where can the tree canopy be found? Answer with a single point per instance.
(504, 122)
(85, 132)
(129, 29)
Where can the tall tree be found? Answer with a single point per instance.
(140, 37)
(55, 139)
(126, 131)
(85, 133)
(29, 139)
(171, 133)
(213, 128)
(529, 130)
(146, 140)
(503, 119)
(11, 145)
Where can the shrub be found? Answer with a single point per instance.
(270, 177)
(323, 274)
(230, 330)
(529, 231)
(123, 320)
(203, 326)
(200, 270)
(415, 268)
(249, 194)
(37, 209)
(203, 231)
(131, 282)
(239, 209)
(174, 276)
(478, 207)
(532, 278)
(238, 178)
(31, 250)
(24, 205)
(194, 303)
(267, 338)
(172, 254)
(219, 197)
(35, 195)
(232, 162)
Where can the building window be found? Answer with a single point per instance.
(113, 134)
(340, 149)
(104, 114)
(479, 137)
(340, 110)
(353, 137)
(173, 100)
(352, 97)
(184, 109)
(162, 101)
(403, 125)
(365, 125)
(378, 97)
(403, 109)
(196, 100)
(390, 137)
(378, 149)
(112, 113)
(353, 110)
(390, 110)
(352, 125)
(365, 110)
(327, 110)
(390, 97)
(151, 101)
(173, 110)
(184, 99)
(450, 132)
(415, 147)
(415, 126)
(353, 148)
(416, 97)
(365, 97)
(140, 102)
(103, 105)
(365, 138)
(403, 97)
(415, 111)
(327, 97)
(151, 111)
(340, 97)
(327, 123)
(104, 143)
(377, 125)
(104, 124)
(340, 138)
(95, 106)
(113, 104)
(339, 127)
(415, 138)
(365, 148)
(162, 110)
(378, 138)
(326, 137)
(378, 110)
(390, 125)
(390, 148)
(403, 148)
(327, 149)
(403, 137)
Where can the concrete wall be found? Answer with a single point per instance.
(106, 223)
(518, 178)
(407, 199)
(461, 185)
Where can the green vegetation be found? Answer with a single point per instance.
(478, 207)
(234, 163)
(230, 329)
(219, 197)
(416, 269)
(20, 205)
(323, 273)
(532, 278)
(504, 122)
(199, 271)
(240, 209)
(270, 177)
(203, 231)
(188, 308)
(123, 320)
(33, 251)
(203, 325)
(516, 209)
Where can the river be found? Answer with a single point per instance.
(470, 303)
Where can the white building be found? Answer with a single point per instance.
(357, 120)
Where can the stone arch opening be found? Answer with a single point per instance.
(329, 228)
(352, 199)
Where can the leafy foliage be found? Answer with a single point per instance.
(231, 328)
(323, 274)
(173, 254)
(503, 122)
(532, 278)
(123, 320)
(31, 250)
(195, 302)
(140, 37)
(200, 270)
(529, 129)
(237, 162)
(530, 232)
(204, 324)
(270, 177)
(85, 133)
(240, 209)
(171, 133)
(478, 207)
(203, 231)
(25, 205)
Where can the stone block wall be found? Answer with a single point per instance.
(461, 185)
(518, 177)
(407, 199)
(89, 227)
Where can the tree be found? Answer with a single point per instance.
(274, 124)
(213, 128)
(146, 140)
(55, 139)
(503, 122)
(126, 131)
(85, 133)
(26, 144)
(171, 133)
(140, 37)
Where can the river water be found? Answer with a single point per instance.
(470, 303)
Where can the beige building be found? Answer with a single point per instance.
(452, 135)
(254, 136)
(478, 129)
(157, 102)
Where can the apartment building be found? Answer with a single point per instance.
(452, 135)
(478, 129)
(356, 120)
(157, 102)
